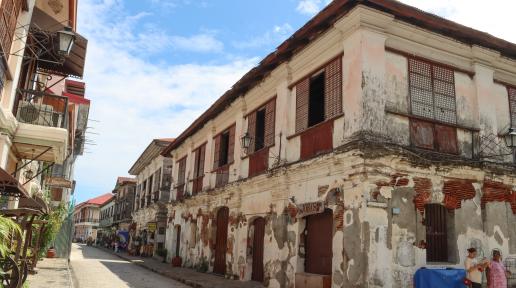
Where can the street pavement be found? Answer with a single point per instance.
(95, 268)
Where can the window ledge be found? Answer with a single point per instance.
(314, 127)
(257, 151)
(412, 116)
(222, 167)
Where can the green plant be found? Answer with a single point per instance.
(54, 221)
(7, 228)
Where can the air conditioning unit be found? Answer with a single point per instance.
(37, 114)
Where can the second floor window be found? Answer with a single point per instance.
(432, 97)
(432, 91)
(181, 176)
(319, 96)
(9, 11)
(224, 148)
(260, 126)
(199, 161)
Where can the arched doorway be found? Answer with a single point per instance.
(221, 240)
(178, 240)
(318, 243)
(258, 235)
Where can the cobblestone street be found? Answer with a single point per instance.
(94, 268)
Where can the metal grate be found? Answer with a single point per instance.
(510, 265)
(432, 91)
(512, 105)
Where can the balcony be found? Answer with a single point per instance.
(91, 221)
(42, 129)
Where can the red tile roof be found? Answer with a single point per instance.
(99, 200)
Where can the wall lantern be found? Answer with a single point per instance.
(245, 141)
(66, 40)
(510, 138)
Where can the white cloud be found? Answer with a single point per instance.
(277, 34)
(495, 17)
(134, 100)
(311, 7)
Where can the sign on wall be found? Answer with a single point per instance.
(310, 208)
(151, 226)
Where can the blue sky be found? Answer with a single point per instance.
(154, 65)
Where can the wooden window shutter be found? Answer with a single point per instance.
(251, 129)
(512, 105)
(270, 115)
(196, 163)
(333, 89)
(302, 95)
(216, 151)
(9, 11)
(436, 233)
(231, 145)
(202, 152)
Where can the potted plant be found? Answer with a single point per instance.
(51, 252)
(177, 261)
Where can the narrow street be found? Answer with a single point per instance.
(92, 267)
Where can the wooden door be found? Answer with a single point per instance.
(318, 243)
(259, 233)
(221, 241)
(178, 240)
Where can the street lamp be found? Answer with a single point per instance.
(245, 141)
(510, 138)
(66, 40)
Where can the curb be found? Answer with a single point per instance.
(179, 279)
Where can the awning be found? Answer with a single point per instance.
(35, 203)
(9, 186)
(43, 26)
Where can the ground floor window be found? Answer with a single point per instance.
(440, 234)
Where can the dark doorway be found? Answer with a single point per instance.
(316, 100)
(259, 233)
(221, 241)
(436, 233)
(178, 239)
(319, 234)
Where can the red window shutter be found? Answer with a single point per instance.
(216, 151)
(512, 105)
(196, 163)
(231, 145)
(270, 117)
(202, 151)
(333, 89)
(422, 134)
(302, 95)
(446, 139)
(251, 129)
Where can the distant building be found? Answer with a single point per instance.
(123, 203)
(106, 226)
(153, 184)
(86, 217)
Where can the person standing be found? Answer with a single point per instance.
(474, 268)
(497, 273)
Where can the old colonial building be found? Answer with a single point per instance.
(124, 200)
(86, 217)
(106, 221)
(369, 144)
(153, 183)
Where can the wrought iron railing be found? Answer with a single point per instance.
(40, 108)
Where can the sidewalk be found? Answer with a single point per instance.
(51, 273)
(185, 275)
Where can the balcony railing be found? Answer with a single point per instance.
(83, 220)
(39, 108)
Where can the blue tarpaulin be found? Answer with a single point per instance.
(437, 278)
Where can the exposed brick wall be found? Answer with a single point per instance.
(457, 190)
(423, 188)
(338, 217)
(498, 192)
